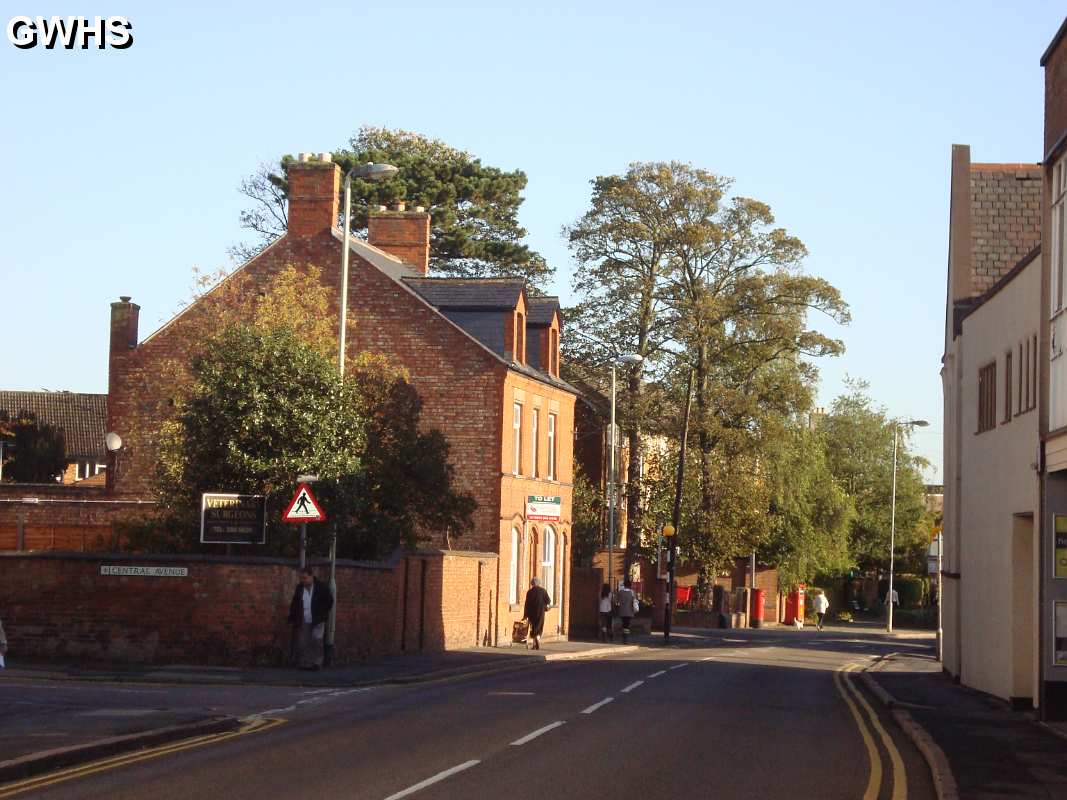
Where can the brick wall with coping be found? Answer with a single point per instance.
(229, 610)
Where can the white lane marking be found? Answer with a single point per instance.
(631, 687)
(531, 736)
(709, 658)
(440, 776)
(679, 666)
(657, 674)
(595, 706)
(510, 694)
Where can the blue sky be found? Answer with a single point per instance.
(122, 166)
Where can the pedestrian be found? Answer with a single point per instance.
(3, 645)
(537, 601)
(894, 597)
(822, 604)
(607, 620)
(628, 606)
(308, 611)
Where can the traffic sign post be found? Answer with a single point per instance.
(303, 508)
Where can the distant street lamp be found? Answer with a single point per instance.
(372, 172)
(897, 425)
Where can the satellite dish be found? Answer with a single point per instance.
(113, 442)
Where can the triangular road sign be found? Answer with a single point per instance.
(303, 507)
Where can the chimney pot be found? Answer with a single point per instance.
(420, 209)
(125, 298)
(303, 158)
(326, 158)
(399, 207)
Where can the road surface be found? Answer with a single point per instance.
(767, 716)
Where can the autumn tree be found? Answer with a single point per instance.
(474, 207)
(261, 401)
(623, 246)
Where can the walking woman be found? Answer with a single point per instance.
(606, 617)
(537, 602)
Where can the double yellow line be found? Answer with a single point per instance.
(250, 725)
(848, 691)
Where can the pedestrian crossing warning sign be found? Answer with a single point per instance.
(303, 507)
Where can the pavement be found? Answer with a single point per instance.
(725, 714)
(991, 750)
(395, 669)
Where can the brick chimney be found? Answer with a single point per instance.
(124, 319)
(313, 187)
(402, 233)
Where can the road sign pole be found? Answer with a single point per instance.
(303, 544)
(333, 591)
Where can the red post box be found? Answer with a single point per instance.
(756, 612)
(794, 606)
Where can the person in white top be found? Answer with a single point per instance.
(607, 621)
(822, 604)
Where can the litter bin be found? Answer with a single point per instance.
(756, 613)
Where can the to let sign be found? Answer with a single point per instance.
(233, 519)
(542, 507)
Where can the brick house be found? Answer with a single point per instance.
(80, 416)
(483, 355)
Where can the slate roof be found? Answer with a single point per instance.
(1005, 219)
(540, 310)
(469, 294)
(83, 417)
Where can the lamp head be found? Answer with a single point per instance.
(668, 531)
(629, 358)
(372, 172)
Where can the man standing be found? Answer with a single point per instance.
(308, 611)
(537, 602)
(822, 604)
(628, 606)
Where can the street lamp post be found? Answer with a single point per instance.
(373, 172)
(897, 425)
(620, 361)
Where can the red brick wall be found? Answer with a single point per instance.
(1055, 95)
(229, 610)
(404, 234)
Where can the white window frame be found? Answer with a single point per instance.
(534, 425)
(516, 441)
(562, 567)
(552, 447)
(513, 570)
(548, 562)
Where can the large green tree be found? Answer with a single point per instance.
(859, 446)
(810, 514)
(474, 207)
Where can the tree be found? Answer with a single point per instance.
(623, 247)
(261, 401)
(34, 451)
(859, 446)
(699, 282)
(474, 208)
(810, 513)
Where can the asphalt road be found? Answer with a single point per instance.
(750, 716)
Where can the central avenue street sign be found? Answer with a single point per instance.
(233, 519)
